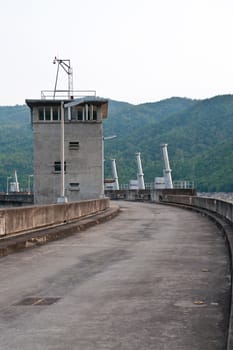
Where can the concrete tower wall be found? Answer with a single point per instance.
(83, 155)
(83, 165)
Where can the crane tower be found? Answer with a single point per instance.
(167, 171)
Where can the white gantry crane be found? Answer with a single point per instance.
(114, 174)
(141, 184)
(167, 171)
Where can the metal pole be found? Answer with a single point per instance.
(62, 152)
(102, 187)
(103, 139)
(29, 184)
(62, 198)
(70, 81)
(8, 178)
(55, 88)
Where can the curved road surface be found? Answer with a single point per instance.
(155, 277)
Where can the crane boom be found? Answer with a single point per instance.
(167, 171)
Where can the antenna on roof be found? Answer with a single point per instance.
(65, 64)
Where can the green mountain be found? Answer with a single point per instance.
(16, 144)
(198, 132)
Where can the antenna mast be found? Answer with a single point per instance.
(65, 64)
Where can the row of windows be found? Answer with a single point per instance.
(87, 112)
(49, 113)
(81, 113)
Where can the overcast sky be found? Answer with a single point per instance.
(129, 50)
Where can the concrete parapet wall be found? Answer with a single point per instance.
(222, 208)
(147, 194)
(15, 220)
(221, 212)
(16, 199)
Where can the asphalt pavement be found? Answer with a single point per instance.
(154, 277)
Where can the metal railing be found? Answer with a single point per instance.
(65, 94)
(182, 184)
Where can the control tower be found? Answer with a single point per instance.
(68, 146)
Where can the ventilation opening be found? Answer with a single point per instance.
(74, 145)
(74, 186)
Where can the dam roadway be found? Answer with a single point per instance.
(155, 277)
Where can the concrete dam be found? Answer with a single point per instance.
(157, 276)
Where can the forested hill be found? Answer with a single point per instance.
(16, 144)
(199, 134)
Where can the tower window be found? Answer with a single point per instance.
(48, 113)
(87, 112)
(57, 167)
(56, 114)
(41, 113)
(94, 114)
(80, 113)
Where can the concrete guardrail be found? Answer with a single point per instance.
(221, 212)
(218, 206)
(22, 219)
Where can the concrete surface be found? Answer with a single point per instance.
(14, 199)
(22, 219)
(149, 194)
(221, 213)
(155, 277)
(29, 239)
(222, 208)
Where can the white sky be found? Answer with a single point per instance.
(129, 50)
